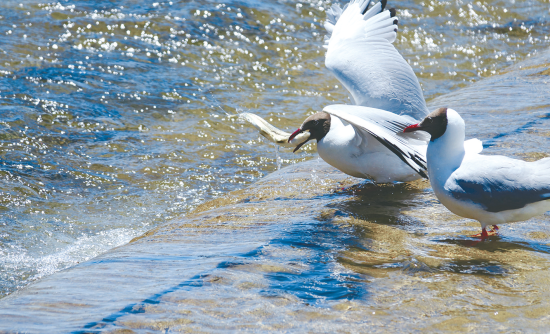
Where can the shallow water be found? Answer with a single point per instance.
(117, 117)
(303, 249)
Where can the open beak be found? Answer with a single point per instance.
(299, 145)
(294, 134)
(411, 128)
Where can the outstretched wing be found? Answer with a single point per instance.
(384, 126)
(361, 55)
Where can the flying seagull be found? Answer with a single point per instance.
(361, 140)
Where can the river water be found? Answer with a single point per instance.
(119, 116)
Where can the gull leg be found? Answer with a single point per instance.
(486, 234)
(495, 228)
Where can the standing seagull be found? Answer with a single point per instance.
(489, 188)
(364, 142)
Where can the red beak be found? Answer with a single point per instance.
(412, 128)
(294, 134)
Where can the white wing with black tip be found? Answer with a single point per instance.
(361, 55)
(384, 126)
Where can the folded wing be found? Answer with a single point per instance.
(499, 183)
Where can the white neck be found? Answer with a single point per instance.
(445, 153)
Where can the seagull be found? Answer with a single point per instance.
(492, 189)
(387, 94)
(366, 140)
(362, 140)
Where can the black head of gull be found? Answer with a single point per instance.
(435, 124)
(318, 126)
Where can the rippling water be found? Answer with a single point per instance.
(117, 116)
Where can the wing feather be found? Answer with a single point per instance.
(500, 183)
(361, 56)
(383, 125)
(377, 8)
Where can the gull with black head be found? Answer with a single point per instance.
(366, 147)
(361, 140)
(492, 189)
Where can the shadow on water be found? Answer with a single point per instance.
(196, 282)
(491, 256)
(320, 281)
(475, 267)
(496, 244)
(380, 204)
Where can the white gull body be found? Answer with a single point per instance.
(362, 156)
(351, 145)
(491, 189)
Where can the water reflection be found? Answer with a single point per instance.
(382, 203)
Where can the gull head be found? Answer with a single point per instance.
(435, 124)
(317, 125)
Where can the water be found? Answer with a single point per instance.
(116, 116)
(301, 251)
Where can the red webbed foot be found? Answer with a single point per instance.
(486, 234)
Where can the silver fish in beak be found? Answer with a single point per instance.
(274, 134)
